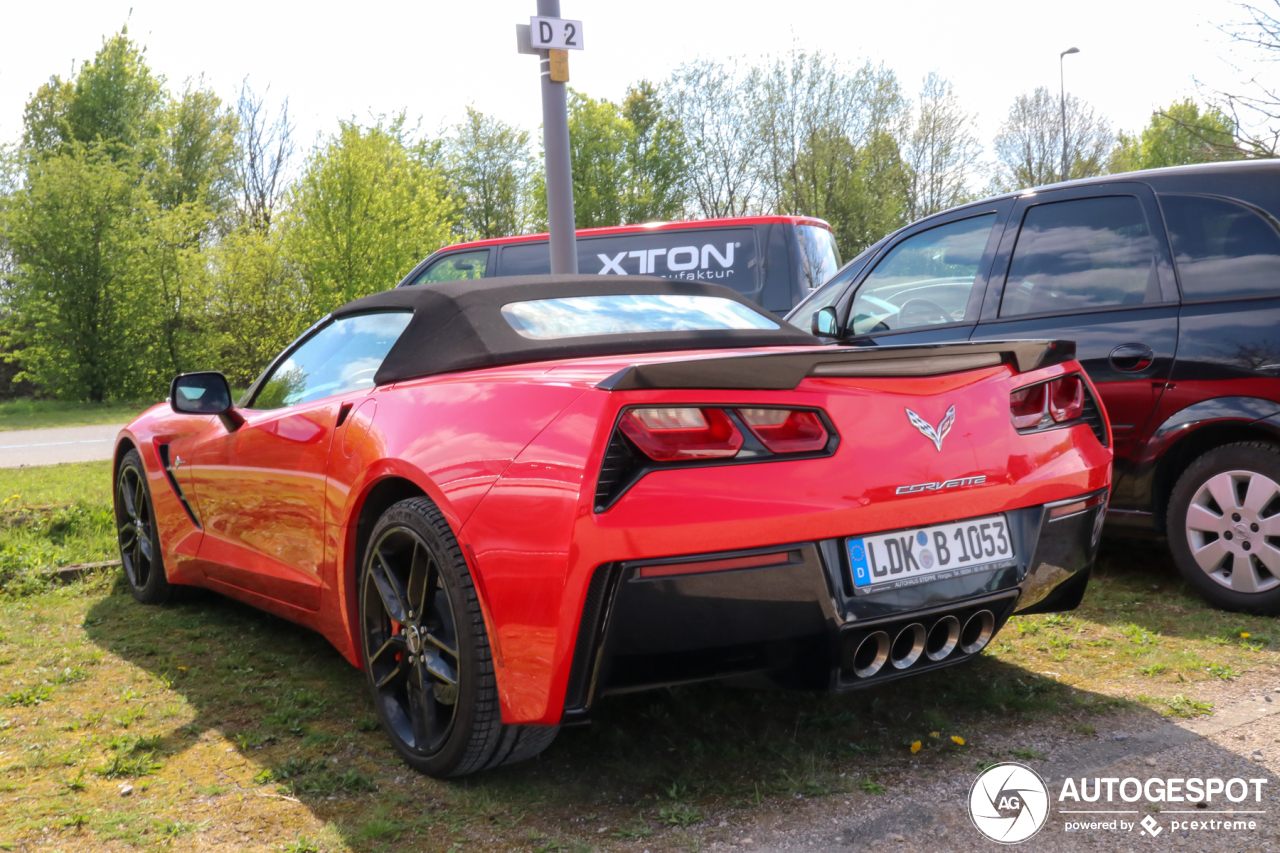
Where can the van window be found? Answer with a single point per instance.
(925, 280)
(458, 266)
(1222, 249)
(721, 256)
(1082, 254)
(819, 258)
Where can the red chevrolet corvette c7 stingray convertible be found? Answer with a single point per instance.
(506, 499)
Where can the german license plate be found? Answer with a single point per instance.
(926, 554)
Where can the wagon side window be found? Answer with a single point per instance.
(923, 281)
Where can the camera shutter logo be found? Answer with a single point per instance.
(1009, 803)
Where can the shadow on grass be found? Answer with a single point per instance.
(1135, 582)
(301, 716)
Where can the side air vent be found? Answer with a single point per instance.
(586, 653)
(163, 451)
(620, 464)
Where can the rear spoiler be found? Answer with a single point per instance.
(770, 371)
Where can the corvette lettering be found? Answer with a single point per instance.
(940, 485)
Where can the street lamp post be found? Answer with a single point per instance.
(1062, 81)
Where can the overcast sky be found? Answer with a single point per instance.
(433, 58)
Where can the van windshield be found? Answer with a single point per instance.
(819, 258)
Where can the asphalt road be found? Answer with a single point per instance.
(61, 444)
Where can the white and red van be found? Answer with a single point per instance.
(775, 261)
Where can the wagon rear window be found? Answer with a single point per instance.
(621, 314)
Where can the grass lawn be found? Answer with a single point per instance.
(40, 414)
(237, 730)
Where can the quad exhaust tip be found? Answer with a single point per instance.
(944, 636)
(908, 646)
(977, 632)
(913, 641)
(871, 654)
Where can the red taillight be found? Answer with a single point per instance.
(786, 430)
(1062, 399)
(670, 435)
(1027, 406)
(1066, 398)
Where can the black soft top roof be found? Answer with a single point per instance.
(458, 325)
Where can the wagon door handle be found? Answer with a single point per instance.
(1132, 357)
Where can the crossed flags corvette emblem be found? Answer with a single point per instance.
(929, 432)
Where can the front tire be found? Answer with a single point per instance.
(1224, 527)
(426, 650)
(136, 533)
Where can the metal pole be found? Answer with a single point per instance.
(555, 144)
(1062, 82)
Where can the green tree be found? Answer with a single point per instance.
(493, 173)
(365, 209)
(657, 157)
(829, 140)
(1175, 136)
(257, 301)
(114, 100)
(196, 152)
(600, 139)
(74, 236)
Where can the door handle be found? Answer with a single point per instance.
(1132, 357)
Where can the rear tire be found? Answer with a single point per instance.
(426, 650)
(136, 533)
(1224, 526)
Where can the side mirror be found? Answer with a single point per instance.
(825, 323)
(204, 393)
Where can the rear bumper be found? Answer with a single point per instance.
(788, 613)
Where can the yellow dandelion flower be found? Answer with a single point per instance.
(1245, 634)
(915, 747)
(935, 734)
(957, 740)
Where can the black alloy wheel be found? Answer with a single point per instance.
(136, 533)
(426, 650)
(413, 640)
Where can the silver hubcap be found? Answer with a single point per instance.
(1230, 537)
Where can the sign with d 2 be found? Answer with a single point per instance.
(555, 34)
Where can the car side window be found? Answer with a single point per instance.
(1222, 249)
(343, 356)
(459, 266)
(925, 280)
(1082, 254)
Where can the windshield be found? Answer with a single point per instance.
(628, 314)
(819, 258)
